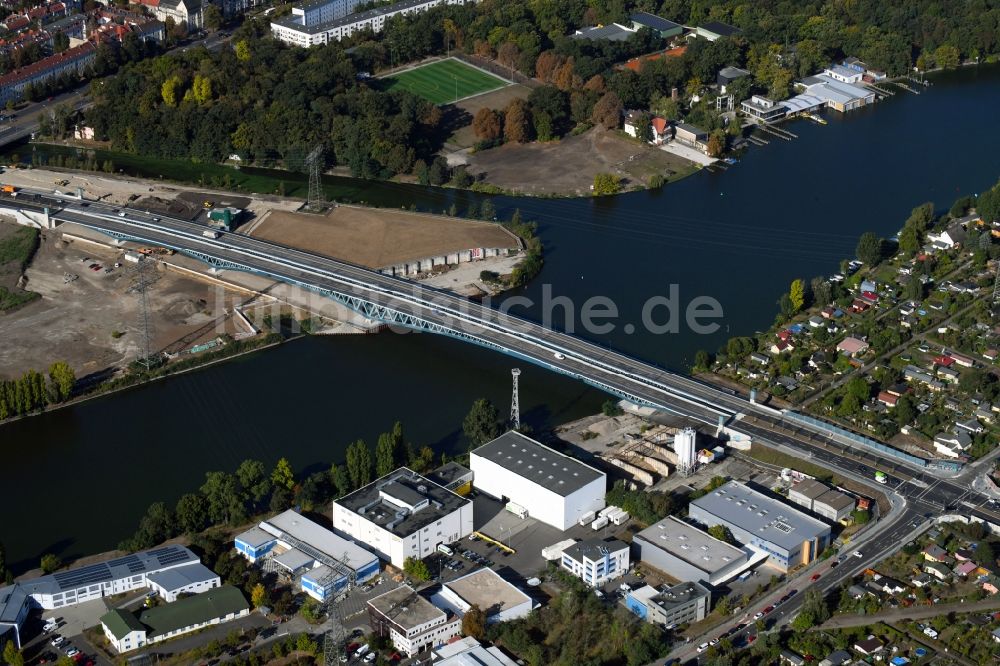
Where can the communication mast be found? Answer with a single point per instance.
(314, 160)
(142, 279)
(515, 407)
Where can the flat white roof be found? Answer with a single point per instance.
(538, 463)
(325, 541)
(692, 545)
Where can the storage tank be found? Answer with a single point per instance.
(685, 448)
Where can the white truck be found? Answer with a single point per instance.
(619, 517)
(606, 511)
(587, 518)
(517, 510)
(599, 523)
(210, 234)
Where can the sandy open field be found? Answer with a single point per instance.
(379, 237)
(568, 166)
(77, 319)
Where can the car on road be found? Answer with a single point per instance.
(857, 553)
(784, 599)
(559, 356)
(814, 577)
(768, 610)
(702, 647)
(834, 564)
(714, 641)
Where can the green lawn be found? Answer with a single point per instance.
(444, 81)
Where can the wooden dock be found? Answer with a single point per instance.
(906, 87)
(884, 91)
(778, 132)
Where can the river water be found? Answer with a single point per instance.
(77, 480)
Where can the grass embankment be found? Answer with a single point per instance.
(771, 456)
(17, 246)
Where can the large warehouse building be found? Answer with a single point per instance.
(402, 515)
(786, 534)
(687, 553)
(300, 548)
(554, 488)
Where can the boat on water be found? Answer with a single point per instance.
(817, 119)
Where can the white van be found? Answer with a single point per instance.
(445, 550)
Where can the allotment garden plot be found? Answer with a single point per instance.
(444, 81)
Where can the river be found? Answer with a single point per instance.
(77, 480)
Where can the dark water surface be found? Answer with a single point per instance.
(77, 480)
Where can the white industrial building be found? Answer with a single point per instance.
(497, 598)
(822, 500)
(190, 579)
(402, 515)
(687, 553)
(411, 622)
(470, 652)
(595, 561)
(324, 562)
(766, 524)
(554, 488)
(103, 579)
(328, 24)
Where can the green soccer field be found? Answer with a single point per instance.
(444, 81)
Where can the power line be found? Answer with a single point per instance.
(314, 161)
(141, 281)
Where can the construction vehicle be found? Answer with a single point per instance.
(9, 189)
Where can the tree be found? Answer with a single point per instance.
(797, 293)
(50, 563)
(507, 55)
(722, 533)
(242, 50)
(608, 111)
(606, 183)
(11, 655)
(946, 56)
(914, 289)
(223, 498)
(212, 17)
(385, 454)
(283, 475)
(63, 379)
(869, 249)
(474, 622)
(482, 423)
(259, 596)
(340, 480)
(517, 122)
(191, 513)
(253, 479)
(416, 568)
(803, 621)
(168, 91)
(486, 125)
(716, 143)
(611, 408)
(359, 463)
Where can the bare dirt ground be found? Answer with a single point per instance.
(170, 199)
(380, 237)
(464, 278)
(463, 136)
(568, 167)
(78, 320)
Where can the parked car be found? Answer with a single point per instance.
(814, 577)
(57, 640)
(702, 647)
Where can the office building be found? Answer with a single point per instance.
(554, 488)
(595, 561)
(687, 553)
(670, 606)
(787, 535)
(411, 622)
(497, 598)
(313, 28)
(125, 631)
(295, 546)
(87, 583)
(402, 515)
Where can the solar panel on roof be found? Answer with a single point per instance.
(172, 557)
(94, 573)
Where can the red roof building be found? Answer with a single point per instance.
(888, 399)
(944, 361)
